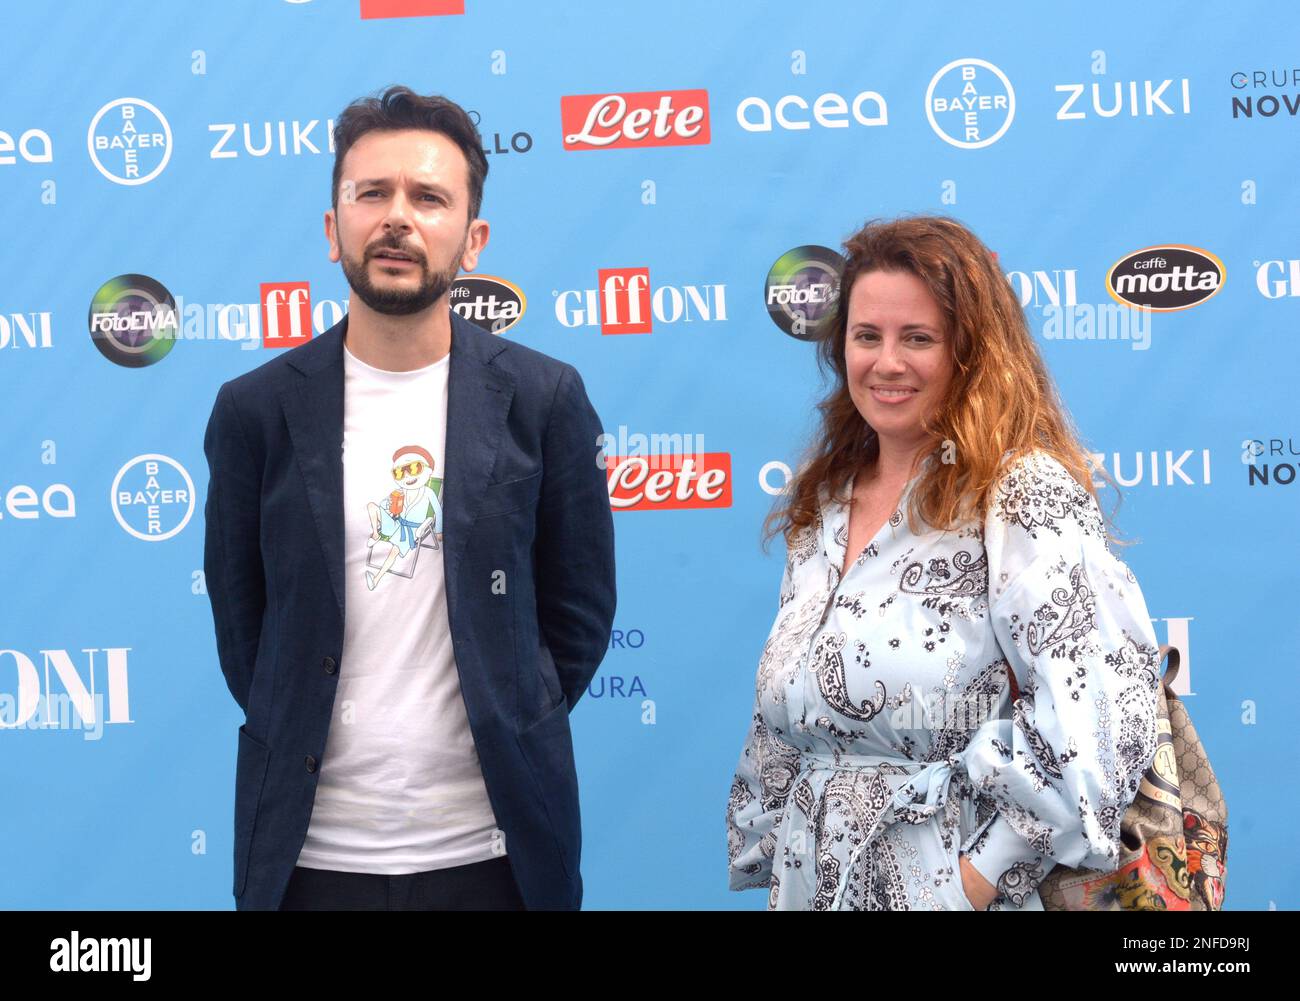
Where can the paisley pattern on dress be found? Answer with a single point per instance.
(884, 742)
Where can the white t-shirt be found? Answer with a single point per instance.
(400, 789)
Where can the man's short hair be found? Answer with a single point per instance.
(400, 108)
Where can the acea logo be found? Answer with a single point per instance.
(133, 321)
(1166, 278)
(802, 289)
(490, 303)
(970, 104)
(152, 497)
(33, 147)
(129, 141)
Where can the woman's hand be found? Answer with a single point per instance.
(979, 891)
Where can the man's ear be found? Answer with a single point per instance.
(475, 241)
(332, 234)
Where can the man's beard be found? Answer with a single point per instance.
(401, 301)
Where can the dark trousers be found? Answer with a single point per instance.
(480, 886)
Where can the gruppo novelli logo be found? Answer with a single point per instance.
(970, 103)
(152, 497)
(129, 141)
(1165, 278)
(802, 289)
(488, 302)
(133, 321)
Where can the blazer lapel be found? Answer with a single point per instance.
(478, 399)
(313, 411)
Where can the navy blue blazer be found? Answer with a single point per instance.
(524, 494)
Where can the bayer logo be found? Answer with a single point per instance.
(129, 141)
(970, 104)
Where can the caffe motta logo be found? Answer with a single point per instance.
(490, 303)
(1166, 278)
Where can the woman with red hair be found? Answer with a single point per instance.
(944, 543)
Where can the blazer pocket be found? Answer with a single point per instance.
(510, 496)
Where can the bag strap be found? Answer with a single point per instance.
(1175, 660)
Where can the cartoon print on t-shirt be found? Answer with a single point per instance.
(408, 518)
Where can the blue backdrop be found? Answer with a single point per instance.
(187, 144)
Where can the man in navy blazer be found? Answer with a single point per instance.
(527, 559)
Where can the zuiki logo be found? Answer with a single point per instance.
(970, 104)
(802, 290)
(1166, 278)
(283, 138)
(489, 302)
(152, 497)
(133, 321)
(1190, 467)
(626, 303)
(649, 118)
(1130, 98)
(129, 141)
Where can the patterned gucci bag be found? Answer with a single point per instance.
(1174, 838)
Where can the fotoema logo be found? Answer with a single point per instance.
(133, 321)
(1166, 278)
(802, 289)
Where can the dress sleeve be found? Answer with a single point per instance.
(762, 782)
(1073, 626)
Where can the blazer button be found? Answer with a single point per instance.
(311, 763)
(330, 665)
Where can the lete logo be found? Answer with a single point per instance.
(620, 121)
(668, 482)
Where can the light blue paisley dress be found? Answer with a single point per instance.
(884, 740)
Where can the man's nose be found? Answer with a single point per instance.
(399, 214)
